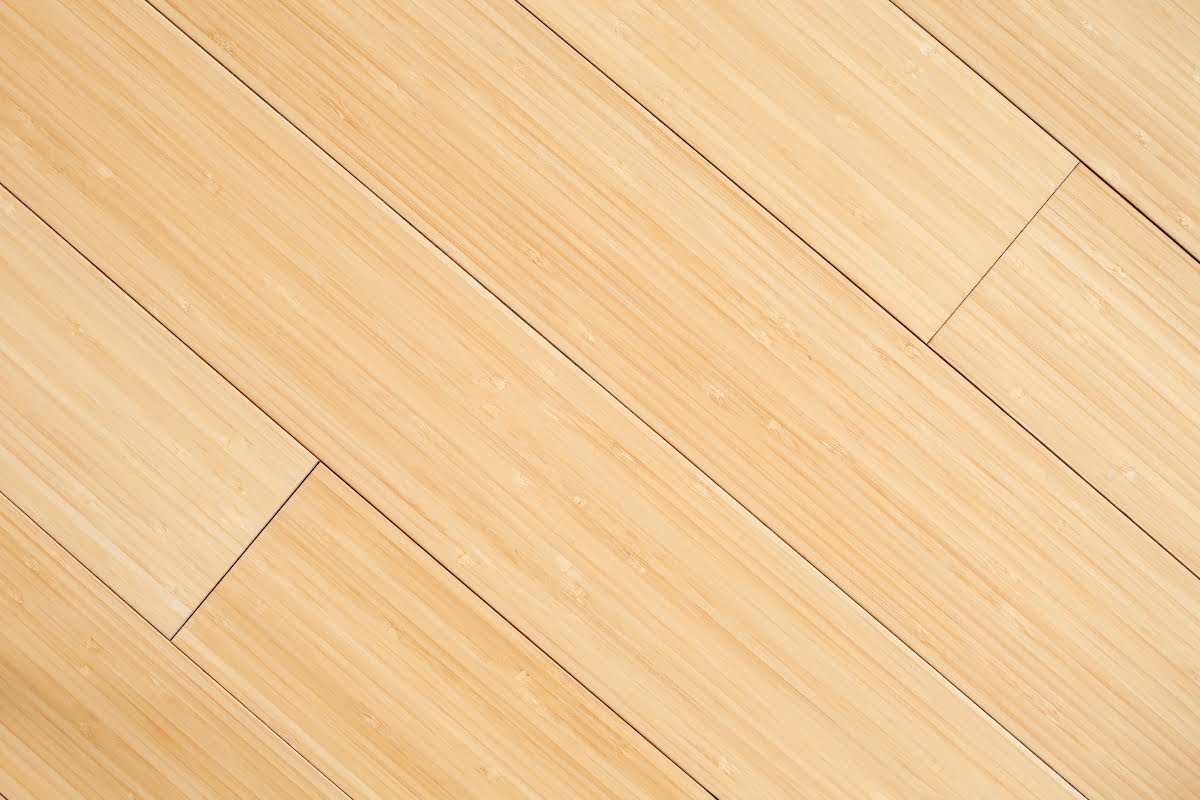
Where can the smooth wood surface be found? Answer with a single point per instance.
(841, 431)
(360, 649)
(95, 704)
(849, 122)
(143, 462)
(1117, 82)
(1088, 332)
(562, 510)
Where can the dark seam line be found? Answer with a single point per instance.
(927, 344)
(1195, 260)
(293, 747)
(657, 120)
(524, 636)
(834, 266)
(1000, 257)
(422, 234)
(959, 372)
(534, 329)
(300, 441)
(208, 594)
(788, 228)
(1037, 439)
(125, 602)
(1195, 257)
(1001, 408)
(601, 386)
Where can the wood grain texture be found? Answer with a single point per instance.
(95, 704)
(560, 508)
(1088, 332)
(1117, 82)
(360, 649)
(142, 461)
(847, 121)
(841, 431)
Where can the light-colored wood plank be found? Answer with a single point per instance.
(850, 123)
(133, 453)
(841, 431)
(559, 507)
(1088, 332)
(359, 648)
(1117, 82)
(95, 704)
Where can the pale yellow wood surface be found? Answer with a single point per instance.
(95, 704)
(361, 650)
(630, 569)
(841, 431)
(1088, 332)
(1117, 82)
(142, 461)
(850, 123)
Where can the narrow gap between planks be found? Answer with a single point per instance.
(213, 588)
(621, 402)
(879, 305)
(1078, 161)
(618, 400)
(157, 632)
(1000, 257)
(1194, 256)
(301, 442)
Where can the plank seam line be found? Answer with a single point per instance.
(620, 402)
(369, 502)
(1079, 161)
(508, 622)
(1194, 256)
(213, 588)
(157, 632)
(883, 308)
(1007, 247)
(603, 388)
(879, 305)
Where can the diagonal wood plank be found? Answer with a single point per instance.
(1088, 332)
(360, 649)
(95, 704)
(846, 120)
(1116, 82)
(142, 461)
(842, 432)
(555, 504)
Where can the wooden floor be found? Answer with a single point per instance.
(617, 399)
